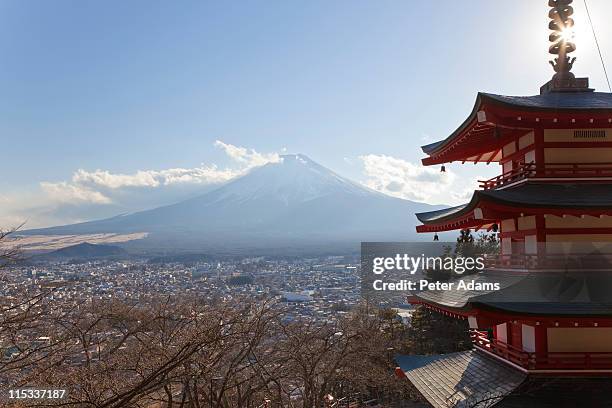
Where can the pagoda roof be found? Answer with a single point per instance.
(473, 378)
(557, 101)
(555, 392)
(538, 294)
(441, 215)
(460, 379)
(529, 195)
(480, 135)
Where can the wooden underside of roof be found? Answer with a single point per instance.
(490, 213)
(490, 126)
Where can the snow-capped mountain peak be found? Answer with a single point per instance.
(293, 200)
(295, 178)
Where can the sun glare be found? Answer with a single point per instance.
(568, 34)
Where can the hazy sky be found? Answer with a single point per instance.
(112, 106)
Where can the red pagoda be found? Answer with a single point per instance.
(545, 338)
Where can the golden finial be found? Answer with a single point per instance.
(562, 26)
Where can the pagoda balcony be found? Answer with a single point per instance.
(554, 171)
(586, 361)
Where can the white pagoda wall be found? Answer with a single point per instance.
(576, 155)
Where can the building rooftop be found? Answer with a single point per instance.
(539, 293)
(556, 100)
(460, 379)
(474, 379)
(531, 195)
(480, 130)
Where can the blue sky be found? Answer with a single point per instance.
(113, 88)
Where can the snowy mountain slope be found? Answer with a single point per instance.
(295, 199)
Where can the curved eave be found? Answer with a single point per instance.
(450, 219)
(529, 197)
(512, 310)
(526, 295)
(463, 311)
(448, 214)
(437, 146)
(553, 196)
(566, 102)
(578, 102)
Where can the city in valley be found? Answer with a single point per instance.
(231, 331)
(318, 289)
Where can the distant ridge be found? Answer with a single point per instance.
(85, 250)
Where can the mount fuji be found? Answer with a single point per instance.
(293, 202)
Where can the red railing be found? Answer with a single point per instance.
(543, 361)
(557, 170)
(577, 170)
(508, 352)
(519, 173)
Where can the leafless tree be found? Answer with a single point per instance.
(10, 251)
(179, 351)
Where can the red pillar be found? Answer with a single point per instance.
(541, 339)
(539, 151)
(515, 335)
(541, 234)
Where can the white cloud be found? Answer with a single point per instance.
(98, 187)
(204, 174)
(197, 175)
(465, 193)
(249, 157)
(154, 178)
(37, 209)
(403, 179)
(64, 192)
(110, 180)
(101, 193)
